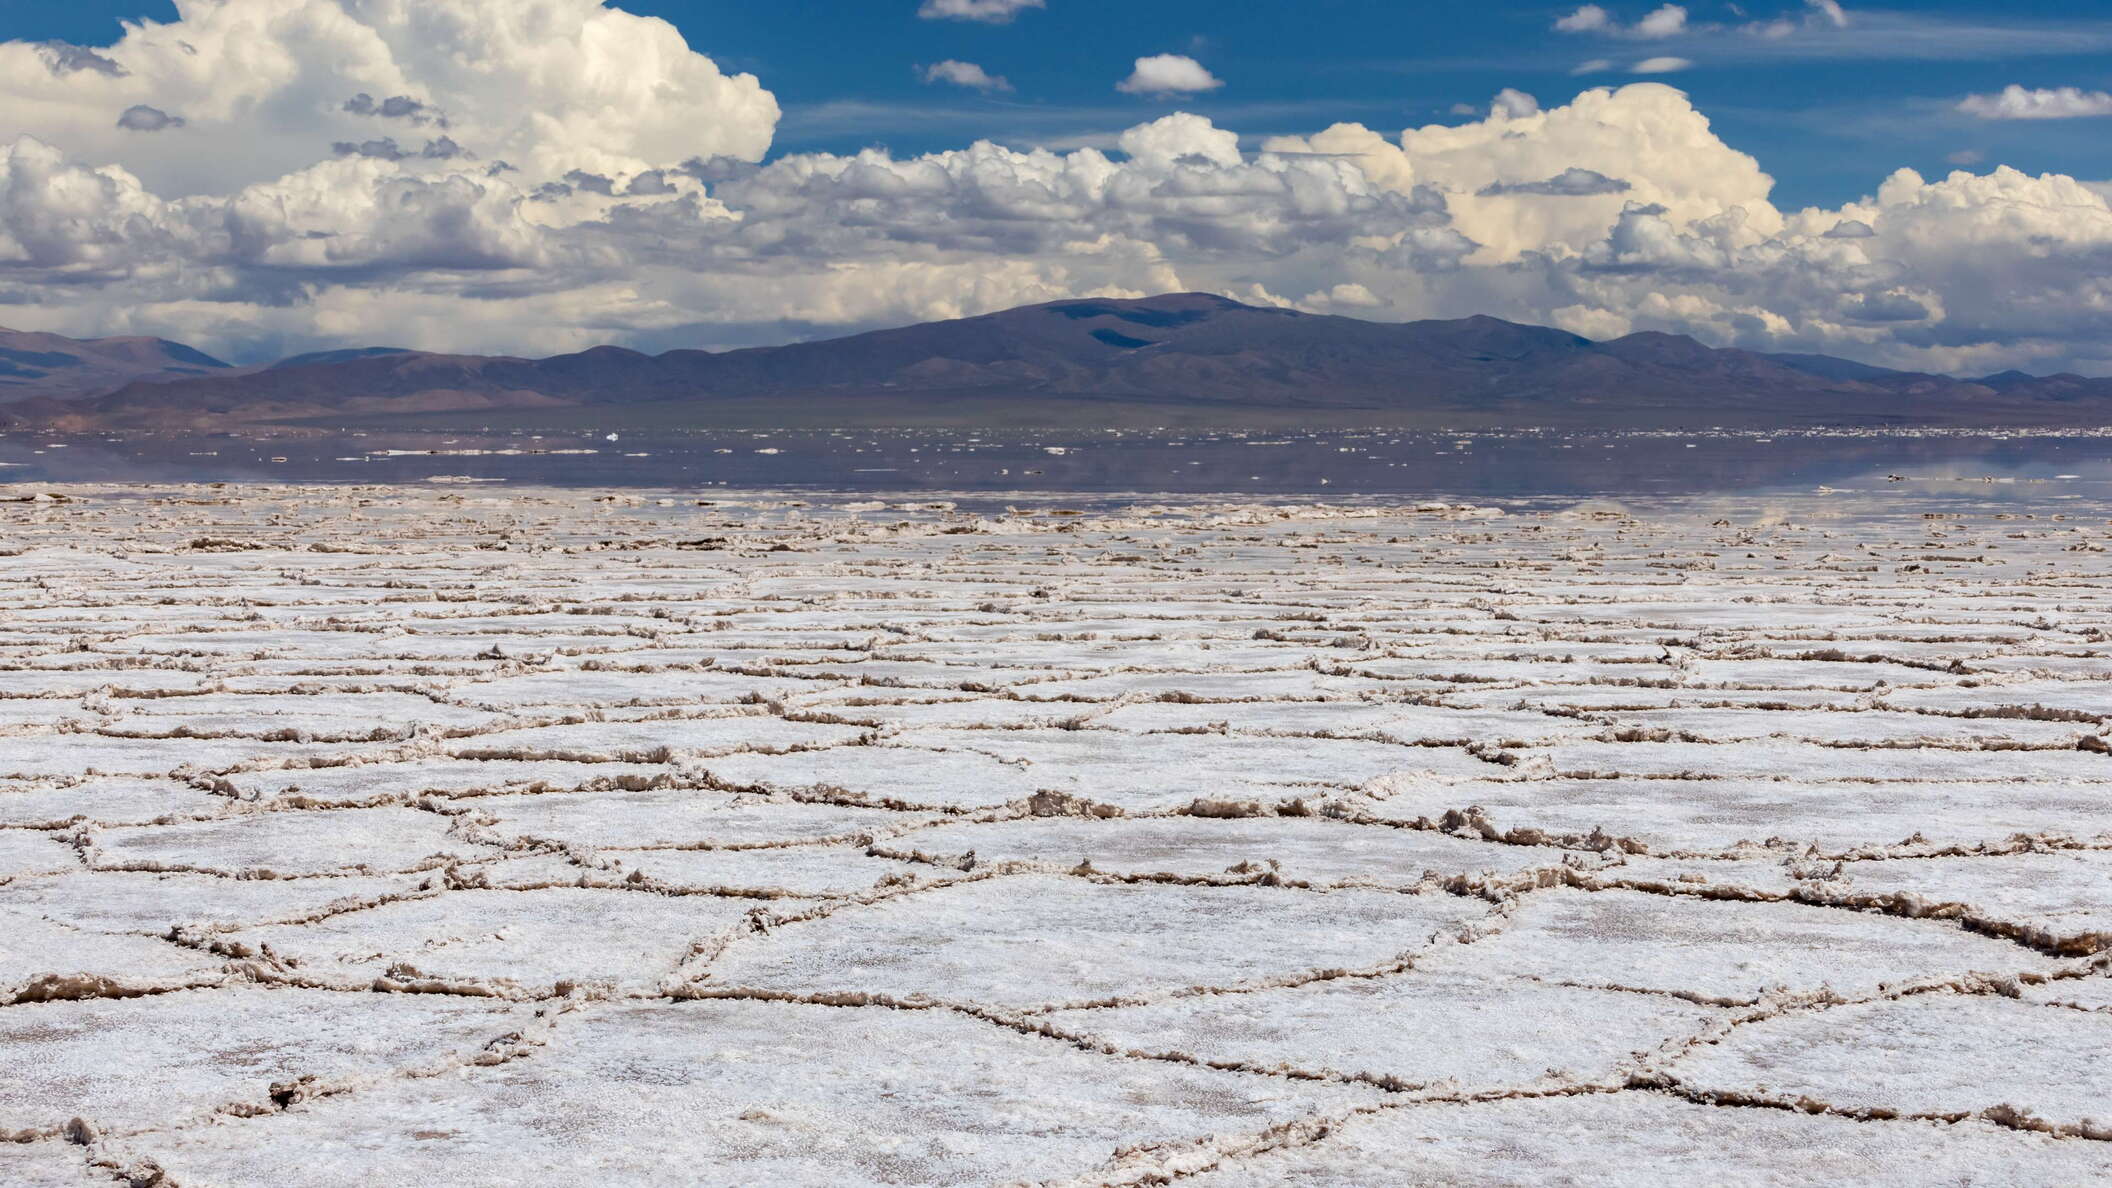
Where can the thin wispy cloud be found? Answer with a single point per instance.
(1901, 36)
(1825, 30)
(989, 12)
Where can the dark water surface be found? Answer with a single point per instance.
(1333, 464)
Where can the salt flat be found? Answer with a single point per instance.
(356, 834)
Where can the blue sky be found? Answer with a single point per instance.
(1828, 120)
(1925, 187)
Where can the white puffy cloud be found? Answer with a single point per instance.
(989, 12)
(1589, 18)
(1168, 74)
(515, 207)
(963, 74)
(2058, 103)
(1646, 135)
(267, 86)
(1970, 273)
(806, 239)
(65, 222)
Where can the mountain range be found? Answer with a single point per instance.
(1185, 360)
(54, 366)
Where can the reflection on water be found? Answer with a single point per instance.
(1332, 464)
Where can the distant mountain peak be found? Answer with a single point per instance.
(1195, 359)
(316, 358)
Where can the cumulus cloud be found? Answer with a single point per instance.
(2058, 103)
(268, 85)
(1168, 74)
(141, 118)
(1646, 134)
(806, 239)
(64, 58)
(963, 74)
(1695, 246)
(989, 12)
(536, 223)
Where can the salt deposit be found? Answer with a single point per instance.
(530, 836)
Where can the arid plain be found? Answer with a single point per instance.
(497, 836)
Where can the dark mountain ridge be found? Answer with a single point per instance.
(1198, 358)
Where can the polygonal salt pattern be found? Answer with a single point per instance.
(192, 1053)
(1934, 1055)
(1227, 843)
(1410, 1029)
(671, 1094)
(1727, 951)
(1617, 1140)
(1034, 939)
(527, 942)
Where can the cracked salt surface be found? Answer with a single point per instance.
(1633, 1138)
(1418, 1030)
(497, 839)
(760, 1093)
(523, 943)
(193, 1053)
(1726, 952)
(289, 844)
(1037, 939)
(1940, 1055)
